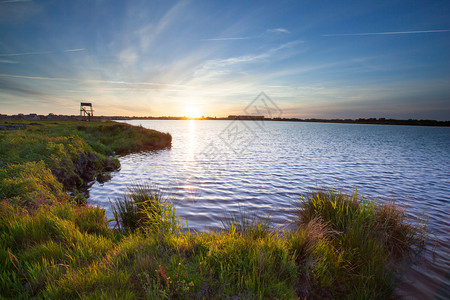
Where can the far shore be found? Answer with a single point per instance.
(375, 121)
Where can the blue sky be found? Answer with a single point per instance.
(314, 59)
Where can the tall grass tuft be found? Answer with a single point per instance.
(145, 208)
(386, 223)
(370, 242)
(247, 224)
(398, 234)
(305, 240)
(338, 209)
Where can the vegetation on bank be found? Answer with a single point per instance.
(341, 247)
(43, 159)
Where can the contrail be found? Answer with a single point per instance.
(41, 52)
(119, 82)
(26, 53)
(13, 1)
(74, 50)
(388, 33)
(229, 39)
(36, 77)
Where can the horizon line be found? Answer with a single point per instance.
(229, 117)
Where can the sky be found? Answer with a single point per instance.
(313, 59)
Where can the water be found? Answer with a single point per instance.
(215, 168)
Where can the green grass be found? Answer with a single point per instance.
(247, 224)
(369, 241)
(144, 208)
(42, 160)
(66, 251)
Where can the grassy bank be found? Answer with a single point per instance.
(41, 160)
(341, 247)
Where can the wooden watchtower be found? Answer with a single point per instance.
(86, 111)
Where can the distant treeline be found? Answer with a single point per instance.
(381, 121)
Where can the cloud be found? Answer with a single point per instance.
(75, 50)
(35, 77)
(278, 30)
(16, 88)
(117, 82)
(13, 1)
(18, 11)
(274, 30)
(147, 35)
(40, 52)
(230, 38)
(128, 57)
(215, 68)
(26, 53)
(388, 33)
(6, 61)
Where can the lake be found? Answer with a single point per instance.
(216, 168)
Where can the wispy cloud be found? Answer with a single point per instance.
(230, 38)
(40, 52)
(13, 1)
(36, 77)
(75, 50)
(118, 82)
(278, 30)
(218, 68)
(389, 32)
(7, 61)
(148, 33)
(26, 53)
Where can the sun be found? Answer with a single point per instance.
(192, 112)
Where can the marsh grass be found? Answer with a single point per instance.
(122, 138)
(145, 208)
(372, 241)
(248, 224)
(41, 161)
(343, 247)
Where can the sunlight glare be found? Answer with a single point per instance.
(192, 112)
